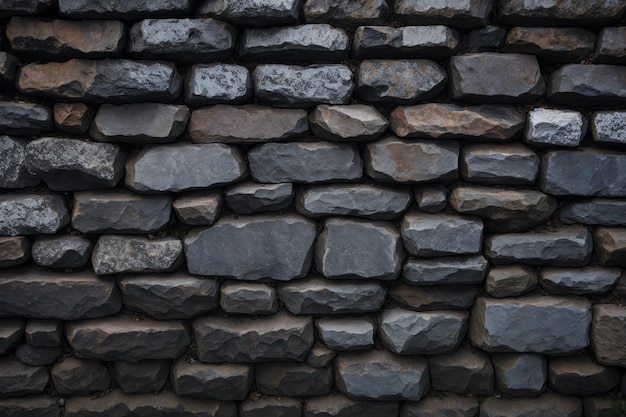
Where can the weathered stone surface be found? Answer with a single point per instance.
(523, 83)
(61, 251)
(251, 197)
(520, 374)
(66, 38)
(422, 333)
(249, 123)
(569, 246)
(445, 271)
(399, 81)
(610, 246)
(444, 121)
(346, 333)
(139, 123)
(567, 13)
(13, 171)
(47, 333)
(306, 162)
(25, 214)
(320, 356)
(73, 117)
(581, 376)
(297, 86)
(257, 13)
(441, 234)
(11, 331)
(338, 405)
(224, 382)
(175, 296)
(397, 160)
(463, 14)
(141, 377)
(37, 294)
(583, 281)
(349, 248)
(451, 405)
(551, 45)
(463, 372)
(217, 83)
(121, 9)
(106, 339)
(511, 325)
(487, 39)
(599, 406)
(434, 42)
(315, 42)
(280, 336)
(504, 210)
(293, 379)
(34, 406)
(551, 127)
(425, 298)
(200, 208)
(609, 127)
(271, 406)
(71, 164)
(80, 377)
(431, 198)
(17, 379)
(253, 248)
(611, 46)
(354, 122)
(321, 296)
(183, 166)
(381, 375)
(37, 355)
(9, 65)
(546, 405)
(14, 251)
(510, 280)
(248, 298)
(356, 13)
(607, 331)
(24, 118)
(499, 164)
(588, 85)
(119, 212)
(21, 7)
(114, 254)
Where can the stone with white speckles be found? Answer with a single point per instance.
(552, 127)
(609, 127)
(217, 83)
(256, 13)
(13, 171)
(26, 214)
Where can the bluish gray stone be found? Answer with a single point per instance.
(223, 382)
(464, 14)
(347, 14)
(11, 331)
(520, 374)
(352, 122)
(13, 171)
(588, 85)
(487, 39)
(61, 251)
(141, 377)
(434, 297)
(550, 404)
(611, 46)
(80, 377)
(466, 371)
(217, 83)
(257, 13)
(24, 118)
(433, 41)
(248, 298)
(567, 13)
(250, 197)
(17, 379)
(551, 127)
(499, 164)
(293, 379)
(353, 333)
(609, 127)
(580, 375)
(597, 211)
(35, 406)
(26, 214)
(445, 271)
(583, 281)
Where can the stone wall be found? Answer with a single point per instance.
(312, 208)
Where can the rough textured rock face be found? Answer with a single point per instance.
(61, 252)
(24, 118)
(141, 377)
(610, 49)
(13, 171)
(521, 374)
(600, 211)
(14, 251)
(354, 122)
(499, 164)
(436, 41)
(547, 404)
(434, 297)
(258, 13)
(360, 12)
(25, 214)
(590, 280)
(441, 234)
(555, 128)
(80, 376)
(510, 280)
(445, 271)
(465, 371)
(121, 9)
(610, 245)
(223, 382)
(581, 376)
(567, 13)
(217, 83)
(73, 117)
(248, 298)
(293, 380)
(577, 84)
(250, 198)
(609, 127)
(200, 208)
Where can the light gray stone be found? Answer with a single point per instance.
(464, 14)
(551, 45)
(80, 377)
(452, 405)
(271, 406)
(463, 372)
(13, 171)
(121, 9)
(445, 271)
(47, 333)
(200, 208)
(250, 197)
(35, 406)
(567, 13)
(434, 42)
(580, 375)
(141, 377)
(61, 251)
(257, 13)
(352, 122)
(499, 164)
(293, 379)
(11, 332)
(551, 127)
(17, 379)
(510, 280)
(341, 334)
(610, 246)
(24, 118)
(434, 297)
(609, 127)
(350, 15)
(338, 405)
(607, 331)
(520, 374)
(25, 214)
(581, 281)
(549, 404)
(588, 85)
(248, 298)
(217, 83)
(224, 382)
(610, 46)
(14, 250)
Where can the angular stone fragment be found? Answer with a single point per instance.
(550, 127)
(562, 247)
(250, 197)
(510, 280)
(523, 82)
(271, 406)
(588, 85)
(488, 38)
(25, 214)
(106, 80)
(119, 212)
(293, 379)
(463, 372)
(297, 86)
(444, 121)
(73, 117)
(248, 298)
(464, 14)
(13, 171)
(46, 333)
(8, 69)
(434, 42)
(11, 331)
(338, 405)
(499, 164)
(24, 118)
(549, 404)
(139, 123)
(121, 9)
(597, 211)
(141, 377)
(183, 166)
(176, 296)
(80, 377)
(581, 376)
(114, 254)
(253, 248)
(354, 122)
(224, 382)
(321, 296)
(66, 38)
(17, 379)
(520, 374)
(14, 251)
(381, 375)
(447, 405)
(565, 13)
(217, 83)
(346, 333)
(320, 356)
(107, 339)
(397, 160)
(25, 7)
(427, 298)
(608, 329)
(355, 13)
(511, 325)
(280, 336)
(583, 281)
(551, 45)
(257, 13)
(34, 406)
(611, 46)
(200, 208)
(431, 198)
(61, 251)
(306, 162)
(445, 271)
(610, 245)
(609, 127)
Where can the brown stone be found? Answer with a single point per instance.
(200, 208)
(452, 405)
(610, 245)
(73, 117)
(463, 372)
(608, 332)
(355, 122)
(510, 280)
(14, 250)
(611, 46)
(499, 164)
(580, 375)
(552, 45)
(435, 297)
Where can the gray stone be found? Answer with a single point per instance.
(338, 405)
(184, 166)
(499, 164)
(351, 333)
(34, 406)
(581, 376)
(66, 164)
(217, 83)
(320, 356)
(8, 69)
(610, 246)
(511, 325)
(458, 270)
(584, 281)
(21, 7)
(449, 405)
(17, 379)
(11, 332)
(36, 294)
(568, 246)
(510, 280)
(566, 13)
(611, 46)
(388, 376)
(24, 118)
(549, 404)
(464, 14)
(422, 333)
(107, 339)
(588, 85)
(520, 374)
(297, 86)
(314, 42)
(175, 296)
(348, 14)
(599, 406)
(13, 171)
(463, 372)
(139, 123)
(280, 336)
(426, 298)
(252, 248)
(523, 83)
(434, 42)
(293, 379)
(407, 81)
(61, 251)
(551, 127)
(121, 9)
(14, 250)
(141, 377)
(349, 248)
(398, 160)
(200, 208)
(26, 214)
(73, 117)
(248, 298)
(353, 122)
(257, 13)
(487, 38)
(441, 234)
(250, 197)
(306, 162)
(107, 80)
(119, 212)
(608, 329)
(431, 198)
(36, 355)
(48, 333)
(224, 382)
(321, 296)
(551, 45)
(609, 127)
(114, 254)
(271, 406)
(249, 123)
(80, 377)
(444, 121)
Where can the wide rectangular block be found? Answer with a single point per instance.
(123, 9)
(588, 85)
(464, 14)
(27, 214)
(433, 41)
(564, 13)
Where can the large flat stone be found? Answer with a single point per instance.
(464, 14)
(224, 382)
(580, 375)
(584, 281)
(17, 379)
(293, 379)
(352, 122)
(13, 171)
(217, 83)
(24, 118)
(456, 270)
(257, 13)
(338, 405)
(34, 406)
(609, 127)
(433, 41)
(566, 13)
(26, 214)
(597, 211)
(588, 85)
(75, 376)
(61, 251)
(11, 332)
(350, 15)
(608, 329)
(499, 164)
(551, 45)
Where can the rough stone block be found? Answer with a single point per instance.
(551, 45)
(217, 83)
(224, 382)
(115, 254)
(271, 406)
(609, 127)
(338, 405)
(583, 281)
(9, 65)
(200, 208)
(248, 298)
(121, 9)
(320, 356)
(251, 197)
(457, 270)
(141, 377)
(599, 406)
(293, 379)
(13, 171)
(510, 280)
(462, 372)
(34, 406)
(61, 251)
(608, 329)
(353, 122)
(499, 164)
(431, 198)
(73, 117)
(346, 333)
(464, 14)
(25, 214)
(520, 374)
(37, 355)
(24, 118)
(566, 13)
(597, 211)
(24, 7)
(11, 332)
(610, 245)
(14, 251)
(45, 333)
(487, 39)
(435, 297)
(581, 376)
(588, 85)
(80, 377)
(611, 46)
(550, 127)
(355, 13)
(449, 405)
(546, 405)
(257, 13)
(17, 379)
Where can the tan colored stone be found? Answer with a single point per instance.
(610, 245)
(13, 250)
(554, 45)
(73, 117)
(608, 333)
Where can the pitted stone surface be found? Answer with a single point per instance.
(434, 41)
(456, 270)
(224, 382)
(250, 197)
(464, 14)
(61, 251)
(14, 250)
(271, 406)
(609, 127)
(463, 372)
(550, 127)
(13, 171)
(588, 85)
(521, 374)
(346, 333)
(17, 379)
(338, 405)
(122, 9)
(611, 46)
(581, 376)
(293, 379)
(453, 405)
(566, 13)
(24, 118)
(551, 45)
(217, 83)
(435, 297)
(37, 406)
(11, 331)
(589, 280)
(348, 14)
(141, 377)
(510, 280)
(200, 208)
(607, 332)
(248, 298)
(499, 164)
(45, 333)
(610, 245)
(257, 13)
(353, 122)
(25, 214)
(73, 117)
(80, 377)
(549, 404)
